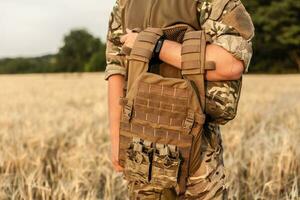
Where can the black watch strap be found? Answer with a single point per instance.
(158, 47)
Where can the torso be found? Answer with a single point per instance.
(160, 13)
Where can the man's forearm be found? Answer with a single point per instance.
(227, 66)
(115, 91)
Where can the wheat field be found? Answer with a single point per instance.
(54, 142)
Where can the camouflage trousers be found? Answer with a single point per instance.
(208, 182)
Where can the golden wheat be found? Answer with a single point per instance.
(54, 142)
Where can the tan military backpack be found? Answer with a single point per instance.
(162, 117)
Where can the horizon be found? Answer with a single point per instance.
(32, 28)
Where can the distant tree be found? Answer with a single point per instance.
(276, 44)
(97, 61)
(41, 64)
(277, 40)
(79, 46)
(80, 52)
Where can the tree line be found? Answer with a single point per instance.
(276, 45)
(81, 52)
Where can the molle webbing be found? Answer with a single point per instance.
(162, 119)
(145, 43)
(162, 105)
(160, 113)
(193, 53)
(141, 53)
(157, 135)
(193, 60)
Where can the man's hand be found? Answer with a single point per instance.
(129, 38)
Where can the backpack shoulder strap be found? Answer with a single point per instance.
(141, 54)
(193, 61)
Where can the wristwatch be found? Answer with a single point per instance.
(155, 61)
(158, 47)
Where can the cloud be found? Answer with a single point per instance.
(36, 27)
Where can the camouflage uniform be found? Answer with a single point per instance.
(221, 96)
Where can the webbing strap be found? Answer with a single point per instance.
(202, 52)
(210, 65)
(193, 62)
(163, 90)
(146, 53)
(191, 35)
(199, 81)
(193, 56)
(189, 121)
(170, 99)
(126, 50)
(148, 38)
(141, 59)
(141, 53)
(127, 108)
(190, 49)
(145, 43)
(159, 119)
(159, 135)
(162, 105)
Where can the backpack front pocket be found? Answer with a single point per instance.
(165, 166)
(138, 162)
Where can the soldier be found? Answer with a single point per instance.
(231, 30)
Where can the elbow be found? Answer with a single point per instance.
(228, 67)
(237, 70)
(234, 70)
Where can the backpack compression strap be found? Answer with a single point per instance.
(193, 61)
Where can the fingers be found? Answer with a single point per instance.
(123, 38)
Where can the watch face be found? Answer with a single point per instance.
(158, 46)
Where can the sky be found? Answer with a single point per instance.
(37, 27)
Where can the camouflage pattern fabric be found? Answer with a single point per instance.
(230, 27)
(211, 16)
(209, 181)
(222, 98)
(115, 59)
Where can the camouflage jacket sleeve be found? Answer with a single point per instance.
(231, 27)
(115, 60)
